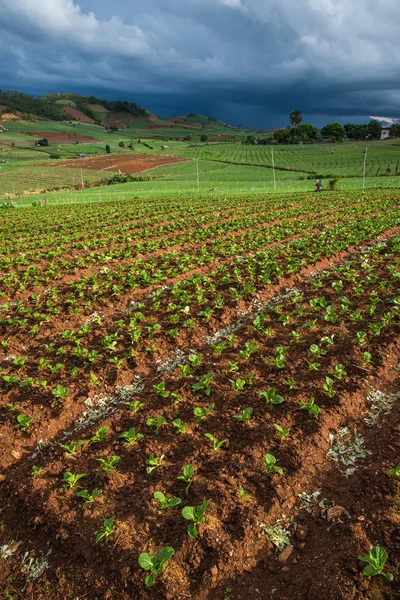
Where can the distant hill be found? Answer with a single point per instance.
(60, 107)
(198, 121)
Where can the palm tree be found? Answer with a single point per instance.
(296, 117)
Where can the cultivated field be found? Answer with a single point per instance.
(324, 160)
(126, 164)
(217, 377)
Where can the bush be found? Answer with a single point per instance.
(332, 183)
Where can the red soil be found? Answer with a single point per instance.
(125, 163)
(62, 138)
(77, 114)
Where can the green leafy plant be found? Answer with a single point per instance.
(204, 385)
(72, 449)
(179, 426)
(109, 464)
(165, 502)
(195, 514)
(271, 397)
(105, 531)
(395, 471)
(270, 465)
(311, 407)
(88, 497)
(216, 444)
(376, 560)
(244, 416)
(202, 413)
(99, 436)
(155, 564)
(71, 479)
(24, 421)
(153, 462)
(187, 477)
(328, 387)
(241, 493)
(281, 431)
(130, 437)
(60, 392)
(134, 406)
(339, 371)
(156, 423)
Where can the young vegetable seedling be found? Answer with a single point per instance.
(156, 422)
(376, 560)
(109, 464)
(311, 407)
(281, 431)
(271, 397)
(88, 497)
(216, 443)
(99, 436)
(165, 502)
(153, 462)
(204, 385)
(72, 449)
(187, 477)
(72, 479)
(270, 465)
(195, 514)
(155, 564)
(130, 437)
(106, 530)
(24, 422)
(202, 413)
(244, 416)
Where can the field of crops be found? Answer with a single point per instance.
(324, 160)
(34, 178)
(199, 398)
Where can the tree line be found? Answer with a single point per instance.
(297, 132)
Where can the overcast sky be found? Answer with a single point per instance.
(243, 61)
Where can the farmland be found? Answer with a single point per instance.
(212, 377)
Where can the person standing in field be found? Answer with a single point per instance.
(318, 184)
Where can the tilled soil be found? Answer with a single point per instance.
(232, 559)
(127, 164)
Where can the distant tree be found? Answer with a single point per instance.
(374, 128)
(308, 130)
(295, 117)
(203, 138)
(121, 145)
(282, 136)
(43, 142)
(108, 149)
(395, 131)
(251, 140)
(356, 131)
(334, 129)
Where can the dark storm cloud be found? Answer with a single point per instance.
(249, 61)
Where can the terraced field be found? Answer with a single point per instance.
(215, 379)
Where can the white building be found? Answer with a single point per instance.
(385, 132)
